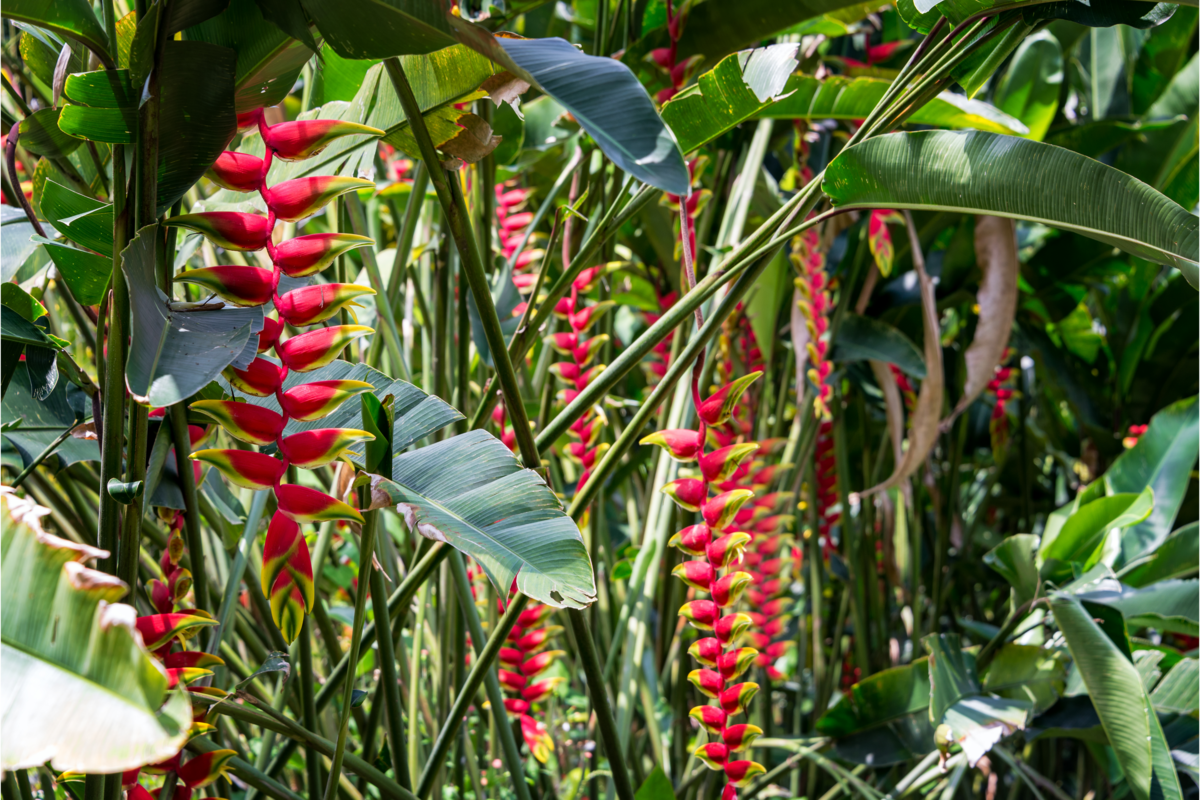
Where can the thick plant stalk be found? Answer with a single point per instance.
(389, 684)
(365, 565)
(191, 517)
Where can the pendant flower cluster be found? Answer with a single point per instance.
(717, 546)
(1000, 387)
(523, 660)
(815, 304)
(287, 571)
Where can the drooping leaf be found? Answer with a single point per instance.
(1094, 139)
(15, 244)
(40, 133)
(734, 90)
(41, 51)
(81, 219)
(1030, 86)
(1027, 672)
(86, 274)
(79, 688)
(1115, 690)
(174, 354)
(1179, 691)
(1085, 529)
(952, 674)
(1176, 557)
(883, 719)
(73, 19)
(44, 421)
(1169, 605)
(1161, 460)
(340, 78)
(289, 17)
(1006, 176)
(1014, 560)
(362, 29)
(864, 338)
(657, 786)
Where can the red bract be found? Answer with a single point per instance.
(260, 379)
(233, 230)
(245, 468)
(269, 335)
(296, 199)
(244, 421)
(304, 505)
(312, 304)
(308, 255)
(316, 349)
(242, 286)
(294, 141)
(318, 399)
(316, 448)
(239, 172)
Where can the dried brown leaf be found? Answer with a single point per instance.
(473, 142)
(504, 87)
(996, 253)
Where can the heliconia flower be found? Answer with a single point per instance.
(242, 286)
(740, 737)
(541, 745)
(564, 343)
(732, 664)
(720, 464)
(534, 615)
(536, 665)
(680, 443)
(735, 699)
(713, 754)
(300, 139)
(728, 590)
(688, 493)
(233, 230)
(315, 349)
(512, 681)
(706, 651)
(708, 682)
(317, 303)
(537, 692)
(246, 468)
(567, 370)
(511, 656)
(582, 319)
(192, 658)
(703, 614)
(285, 554)
(308, 255)
(731, 626)
(728, 549)
(515, 705)
(741, 773)
(296, 199)
(316, 448)
(135, 792)
(715, 410)
(179, 584)
(158, 629)
(318, 399)
(306, 505)
(260, 379)
(880, 241)
(584, 352)
(711, 718)
(243, 421)
(693, 540)
(248, 119)
(185, 675)
(719, 511)
(160, 597)
(205, 768)
(269, 334)
(697, 574)
(238, 172)
(535, 640)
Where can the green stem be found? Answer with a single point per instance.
(229, 600)
(389, 683)
(391, 336)
(365, 567)
(191, 514)
(42, 456)
(312, 764)
(135, 470)
(414, 686)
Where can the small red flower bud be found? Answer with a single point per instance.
(710, 717)
(321, 446)
(728, 549)
(735, 699)
(706, 651)
(719, 511)
(715, 410)
(720, 464)
(242, 286)
(233, 230)
(308, 255)
(713, 754)
(703, 614)
(732, 664)
(536, 665)
(238, 172)
(741, 773)
(740, 737)
(697, 574)
(728, 590)
(514, 705)
(246, 468)
(298, 198)
(731, 626)
(537, 692)
(244, 421)
(535, 640)
(305, 505)
(318, 348)
(688, 493)
(707, 681)
(260, 379)
(312, 401)
(682, 444)
(301, 139)
(693, 540)
(511, 681)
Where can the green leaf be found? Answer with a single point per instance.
(1162, 55)
(952, 674)
(196, 118)
(1170, 605)
(125, 493)
(289, 17)
(86, 274)
(609, 103)
(40, 134)
(1014, 560)
(1176, 557)
(44, 421)
(1161, 460)
(1179, 691)
(40, 50)
(1084, 530)
(883, 719)
(174, 354)
(736, 89)
(977, 723)
(1115, 689)
(17, 299)
(1094, 139)
(657, 786)
(1029, 88)
(340, 78)
(102, 89)
(1027, 672)
(15, 328)
(471, 492)
(110, 125)
(72, 19)
(81, 219)
(984, 173)
(842, 97)
(364, 29)
(861, 338)
(268, 60)
(16, 245)
(378, 419)
(73, 663)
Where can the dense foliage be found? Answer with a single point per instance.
(643, 399)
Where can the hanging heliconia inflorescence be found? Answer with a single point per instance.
(667, 58)
(287, 571)
(579, 370)
(1000, 387)
(815, 302)
(717, 546)
(524, 659)
(511, 225)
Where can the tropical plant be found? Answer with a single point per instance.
(334, 335)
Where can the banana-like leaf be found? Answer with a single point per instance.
(985, 173)
(1177, 556)
(40, 134)
(73, 19)
(44, 421)
(883, 719)
(1085, 529)
(1029, 88)
(1171, 605)
(77, 686)
(81, 219)
(1027, 672)
(174, 354)
(862, 338)
(268, 60)
(842, 97)
(365, 29)
(1162, 460)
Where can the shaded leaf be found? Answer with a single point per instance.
(1177, 556)
(81, 219)
(44, 421)
(1014, 560)
(73, 19)
(41, 134)
(883, 719)
(863, 338)
(86, 274)
(1085, 529)
(1030, 86)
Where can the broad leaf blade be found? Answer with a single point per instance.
(861, 338)
(984, 173)
(73, 19)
